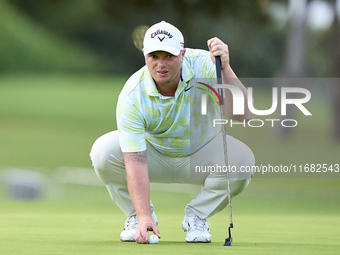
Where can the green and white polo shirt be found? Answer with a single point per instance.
(172, 125)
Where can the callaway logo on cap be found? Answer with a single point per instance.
(163, 37)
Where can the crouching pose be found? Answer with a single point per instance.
(163, 137)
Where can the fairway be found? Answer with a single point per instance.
(51, 121)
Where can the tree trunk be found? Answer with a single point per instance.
(294, 60)
(334, 54)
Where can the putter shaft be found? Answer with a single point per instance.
(221, 94)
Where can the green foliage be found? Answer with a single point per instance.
(27, 46)
(105, 27)
(95, 35)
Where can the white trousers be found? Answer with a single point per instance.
(108, 162)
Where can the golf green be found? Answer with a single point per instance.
(265, 222)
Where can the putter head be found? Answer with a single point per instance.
(228, 241)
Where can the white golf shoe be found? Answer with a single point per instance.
(131, 224)
(197, 230)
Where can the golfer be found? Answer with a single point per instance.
(164, 137)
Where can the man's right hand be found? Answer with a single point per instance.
(146, 224)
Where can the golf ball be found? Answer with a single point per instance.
(153, 239)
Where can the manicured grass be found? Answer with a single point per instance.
(266, 222)
(54, 118)
(48, 121)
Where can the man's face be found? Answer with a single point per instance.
(164, 67)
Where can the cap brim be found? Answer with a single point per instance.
(171, 50)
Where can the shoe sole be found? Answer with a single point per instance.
(198, 240)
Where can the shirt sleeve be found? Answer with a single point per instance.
(131, 126)
(211, 68)
(204, 64)
(208, 69)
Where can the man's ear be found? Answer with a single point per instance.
(183, 53)
(144, 56)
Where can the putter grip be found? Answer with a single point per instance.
(219, 77)
(218, 69)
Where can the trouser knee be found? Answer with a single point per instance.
(238, 185)
(107, 157)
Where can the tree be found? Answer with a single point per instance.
(295, 50)
(334, 71)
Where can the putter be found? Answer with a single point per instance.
(228, 240)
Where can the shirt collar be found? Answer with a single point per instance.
(187, 72)
(149, 84)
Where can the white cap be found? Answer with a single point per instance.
(163, 37)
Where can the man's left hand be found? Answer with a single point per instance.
(219, 48)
